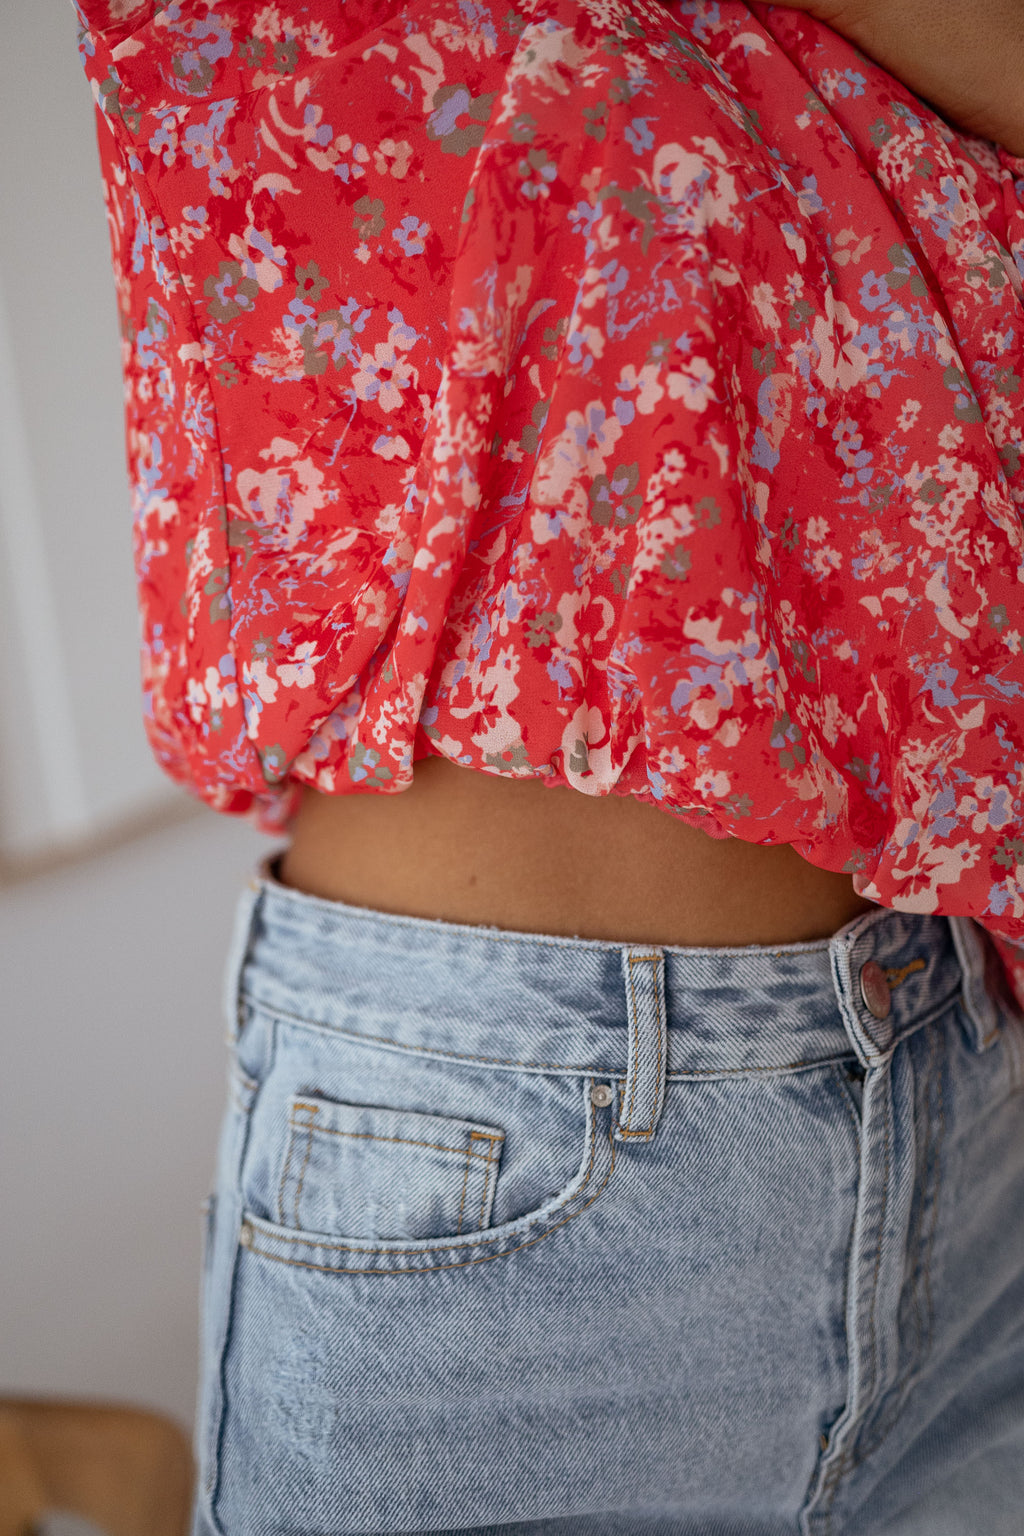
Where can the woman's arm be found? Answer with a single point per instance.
(965, 57)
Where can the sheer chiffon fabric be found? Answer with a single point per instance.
(624, 394)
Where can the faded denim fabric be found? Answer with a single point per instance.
(516, 1233)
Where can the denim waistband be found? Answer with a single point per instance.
(542, 1003)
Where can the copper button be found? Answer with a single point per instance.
(874, 989)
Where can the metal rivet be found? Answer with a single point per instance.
(601, 1095)
(245, 1235)
(874, 989)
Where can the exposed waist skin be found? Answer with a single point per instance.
(470, 847)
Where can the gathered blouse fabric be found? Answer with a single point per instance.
(625, 394)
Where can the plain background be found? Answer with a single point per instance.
(110, 963)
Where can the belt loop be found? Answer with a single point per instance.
(980, 971)
(644, 1090)
(851, 952)
(238, 952)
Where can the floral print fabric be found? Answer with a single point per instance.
(622, 393)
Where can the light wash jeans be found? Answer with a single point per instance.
(515, 1233)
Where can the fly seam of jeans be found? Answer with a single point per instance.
(914, 1236)
(838, 1467)
(832, 1481)
(580, 1069)
(833, 1478)
(936, 1189)
(872, 1324)
(848, 1255)
(844, 1461)
(930, 1182)
(922, 1273)
(940, 1140)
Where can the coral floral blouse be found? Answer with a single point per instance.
(621, 393)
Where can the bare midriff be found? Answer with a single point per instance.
(470, 847)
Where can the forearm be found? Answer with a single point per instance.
(965, 57)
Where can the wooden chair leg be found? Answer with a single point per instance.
(22, 1492)
(127, 1470)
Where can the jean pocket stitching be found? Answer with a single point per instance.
(310, 1125)
(472, 1153)
(573, 1203)
(465, 1184)
(286, 1167)
(489, 1176)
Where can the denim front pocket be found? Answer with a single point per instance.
(375, 1172)
(368, 1156)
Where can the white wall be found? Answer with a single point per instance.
(72, 753)
(110, 1096)
(112, 1064)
